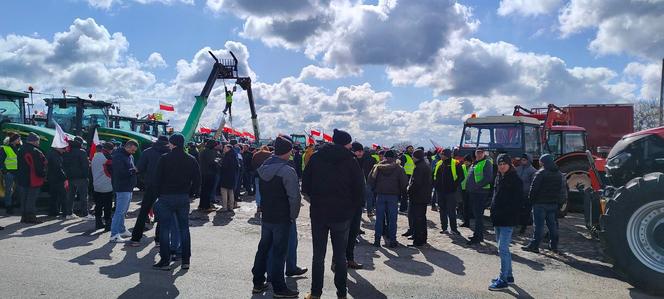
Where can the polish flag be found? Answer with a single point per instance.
(205, 130)
(166, 107)
(315, 133)
(93, 146)
(375, 146)
(311, 141)
(60, 138)
(327, 138)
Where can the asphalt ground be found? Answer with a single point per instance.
(68, 259)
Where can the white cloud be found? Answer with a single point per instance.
(156, 61)
(528, 7)
(649, 75)
(325, 73)
(107, 4)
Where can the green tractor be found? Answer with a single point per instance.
(150, 126)
(122, 122)
(80, 117)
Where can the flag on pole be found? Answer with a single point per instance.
(93, 146)
(436, 145)
(166, 107)
(310, 141)
(327, 138)
(315, 133)
(205, 130)
(60, 138)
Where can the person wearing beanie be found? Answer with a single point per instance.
(505, 205)
(526, 173)
(228, 179)
(388, 180)
(419, 195)
(547, 192)
(334, 183)
(466, 205)
(30, 177)
(366, 164)
(147, 167)
(102, 187)
(281, 201)
(77, 167)
(9, 168)
(448, 176)
(479, 185)
(176, 175)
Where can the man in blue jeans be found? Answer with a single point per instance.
(177, 174)
(547, 192)
(280, 199)
(124, 181)
(388, 179)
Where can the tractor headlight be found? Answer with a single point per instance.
(618, 160)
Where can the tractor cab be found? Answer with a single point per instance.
(636, 155)
(299, 139)
(514, 135)
(76, 115)
(562, 140)
(12, 106)
(122, 122)
(151, 127)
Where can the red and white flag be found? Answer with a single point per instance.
(311, 141)
(60, 138)
(315, 133)
(93, 146)
(205, 130)
(166, 107)
(327, 138)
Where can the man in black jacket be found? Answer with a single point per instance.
(366, 164)
(547, 192)
(419, 194)
(448, 176)
(147, 165)
(77, 168)
(56, 183)
(30, 177)
(177, 173)
(334, 183)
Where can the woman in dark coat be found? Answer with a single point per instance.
(505, 208)
(229, 168)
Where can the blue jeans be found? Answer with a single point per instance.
(258, 192)
(274, 238)
(386, 204)
(122, 200)
(504, 237)
(9, 185)
(545, 213)
(291, 254)
(174, 208)
(369, 198)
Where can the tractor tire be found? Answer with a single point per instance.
(575, 171)
(632, 232)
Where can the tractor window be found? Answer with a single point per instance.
(574, 142)
(124, 124)
(492, 136)
(532, 140)
(94, 116)
(654, 150)
(10, 110)
(65, 117)
(553, 143)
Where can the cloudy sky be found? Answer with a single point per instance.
(386, 70)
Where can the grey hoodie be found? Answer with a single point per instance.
(526, 174)
(274, 166)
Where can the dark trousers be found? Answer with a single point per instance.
(207, 190)
(478, 200)
(467, 207)
(149, 198)
(228, 108)
(447, 209)
(274, 237)
(545, 213)
(353, 232)
(58, 198)
(248, 181)
(403, 200)
(419, 223)
(103, 203)
(411, 217)
(174, 207)
(339, 234)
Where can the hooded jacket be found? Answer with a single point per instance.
(229, 170)
(334, 183)
(419, 187)
(56, 172)
(280, 191)
(388, 177)
(124, 171)
(526, 174)
(258, 159)
(177, 173)
(147, 164)
(549, 185)
(76, 163)
(507, 199)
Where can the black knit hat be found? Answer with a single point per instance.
(446, 152)
(13, 137)
(177, 140)
(390, 154)
(468, 158)
(282, 145)
(418, 154)
(357, 146)
(504, 158)
(341, 137)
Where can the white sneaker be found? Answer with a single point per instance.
(117, 239)
(71, 217)
(125, 234)
(89, 217)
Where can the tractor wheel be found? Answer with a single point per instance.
(576, 173)
(633, 232)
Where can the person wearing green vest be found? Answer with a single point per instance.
(9, 167)
(478, 186)
(409, 166)
(229, 100)
(465, 200)
(448, 175)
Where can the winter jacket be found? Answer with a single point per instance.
(102, 172)
(177, 173)
(246, 158)
(147, 164)
(56, 172)
(31, 167)
(548, 187)
(526, 174)
(444, 181)
(258, 159)
(76, 163)
(507, 199)
(229, 169)
(280, 191)
(387, 177)
(419, 187)
(209, 162)
(334, 183)
(124, 171)
(366, 163)
(477, 187)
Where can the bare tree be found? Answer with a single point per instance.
(646, 114)
(402, 145)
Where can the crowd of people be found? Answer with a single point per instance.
(341, 180)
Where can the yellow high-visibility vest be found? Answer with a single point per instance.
(465, 176)
(452, 168)
(479, 173)
(11, 160)
(409, 167)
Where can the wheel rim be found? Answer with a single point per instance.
(642, 235)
